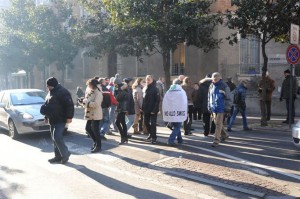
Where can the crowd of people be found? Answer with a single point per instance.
(115, 105)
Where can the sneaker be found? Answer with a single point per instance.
(229, 129)
(247, 129)
(55, 160)
(214, 144)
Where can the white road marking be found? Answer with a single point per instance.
(246, 162)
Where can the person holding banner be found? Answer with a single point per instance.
(175, 110)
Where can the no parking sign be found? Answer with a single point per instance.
(293, 54)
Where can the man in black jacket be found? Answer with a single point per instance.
(58, 110)
(150, 107)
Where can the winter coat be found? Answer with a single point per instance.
(58, 106)
(130, 102)
(196, 95)
(203, 93)
(231, 85)
(217, 101)
(122, 98)
(151, 99)
(138, 99)
(266, 88)
(189, 92)
(241, 91)
(285, 89)
(93, 100)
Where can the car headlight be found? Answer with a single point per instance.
(26, 116)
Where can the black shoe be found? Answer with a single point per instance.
(153, 141)
(285, 122)
(55, 160)
(188, 133)
(123, 141)
(149, 137)
(65, 159)
(192, 129)
(229, 129)
(172, 144)
(214, 145)
(129, 136)
(247, 129)
(96, 149)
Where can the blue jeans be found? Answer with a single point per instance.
(112, 116)
(104, 124)
(60, 148)
(236, 110)
(175, 133)
(129, 120)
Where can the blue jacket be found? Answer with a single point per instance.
(219, 102)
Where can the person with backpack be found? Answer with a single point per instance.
(106, 103)
(239, 105)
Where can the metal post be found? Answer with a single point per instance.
(291, 94)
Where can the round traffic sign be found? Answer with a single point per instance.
(293, 54)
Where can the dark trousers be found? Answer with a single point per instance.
(197, 113)
(265, 109)
(188, 122)
(141, 122)
(121, 124)
(60, 148)
(287, 104)
(150, 123)
(208, 125)
(92, 128)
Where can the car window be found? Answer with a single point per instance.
(5, 99)
(26, 98)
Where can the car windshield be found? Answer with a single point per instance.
(26, 98)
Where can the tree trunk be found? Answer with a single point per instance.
(265, 57)
(166, 65)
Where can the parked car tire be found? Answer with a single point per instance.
(13, 132)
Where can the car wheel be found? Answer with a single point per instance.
(13, 133)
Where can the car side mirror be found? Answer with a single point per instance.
(2, 105)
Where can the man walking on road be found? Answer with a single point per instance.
(219, 102)
(58, 110)
(175, 110)
(150, 107)
(285, 94)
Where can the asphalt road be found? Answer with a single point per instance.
(266, 159)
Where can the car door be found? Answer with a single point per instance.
(3, 110)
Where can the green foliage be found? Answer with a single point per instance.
(137, 27)
(36, 35)
(268, 19)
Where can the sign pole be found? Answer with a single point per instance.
(291, 95)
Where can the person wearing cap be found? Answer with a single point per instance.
(150, 107)
(58, 110)
(239, 105)
(175, 110)
(219, 103)
(285, 94)
(93, 112)
(266, 87)
(208, 125)
(130, 102)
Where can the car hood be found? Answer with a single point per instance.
(32, 109)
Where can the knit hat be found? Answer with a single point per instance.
(52, 81)
(127, 80)
(287, 71)
(117, 79)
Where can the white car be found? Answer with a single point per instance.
(296, 134)
(20, 111)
